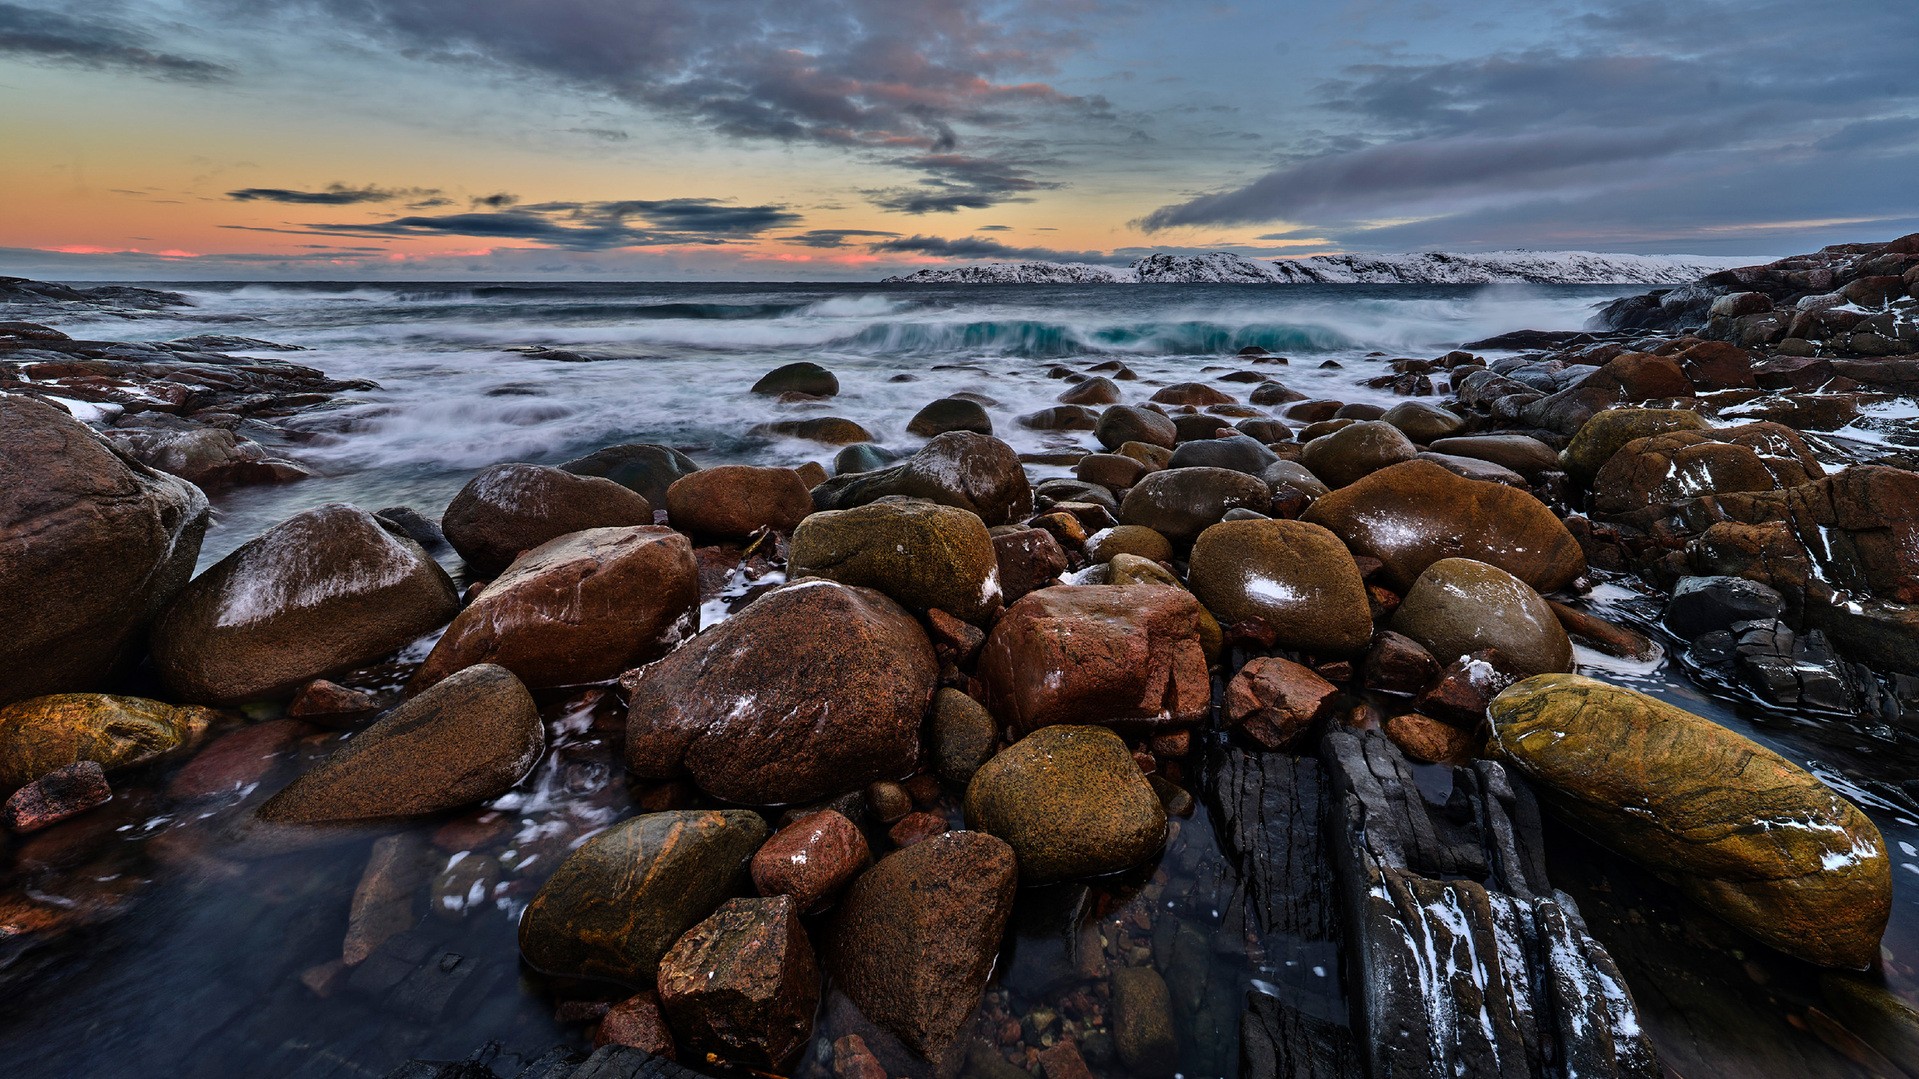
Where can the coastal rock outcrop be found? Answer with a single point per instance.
(42, 734)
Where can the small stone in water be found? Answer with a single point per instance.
(889, 801)
(811, 859)
(636, 1021)
(323, 698)
(853, 1060)
(917, 828)
(61, 793)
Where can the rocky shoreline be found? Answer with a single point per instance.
(1246, 749)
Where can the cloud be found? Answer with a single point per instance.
(588, 226)
(974, 247)
(332, 195)
(59, 38)
(835, 237)
(902, 82)
(497, 200)
(960, 182)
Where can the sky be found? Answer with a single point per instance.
(848, 139)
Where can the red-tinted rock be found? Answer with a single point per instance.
(323, 698)
(1273, 701)
(637, 1022)
(1399, 664)
(1426, 739)
(738, 500)
(813, 689)
(916, 828)
(917, 935)
(62, 793)
(1029, 558)
(959, 468)
(580, 608)
(1063, 1061)
(512, 508)
(744, 983)
(811, 859)
(853, 1060)
(955, 642)
(1466, 686)
(235, 762)
(1097, 654)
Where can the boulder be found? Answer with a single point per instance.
(615, 906)
(1107, 543)
(1523, 454)
(861, 457)
(1459, 606)
(1070, 801)
(1121, 424)
(961, 737)
(815, 688)
(324, 591)
(1700, 605)
(511, 508)
(960, 468)
(826, 430)
(738, 500)
(63, 793)
(1145, 1034)
(1109, 470)
(950, 414)
(922, 554)
(1241, 453)
(1275, 701)
(1738, 828)
(1423, 423)
(1414, 514)
(1356, 450)
(92, 546)
(801, 377)
(743, 983)
(1028, 558)
(42, 734)
(1602, 436)
(1296, 577)
(581, 608)
(811, 859)
(1098, 390)
(1097, 654)
(645, 469)
(1667, 469)
(1191, 393)
(469, 738)
(917, 935)
(1180, 503)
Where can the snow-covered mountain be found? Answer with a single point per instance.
(1426, 268)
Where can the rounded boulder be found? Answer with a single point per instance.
(1294, 576)
(1070, 801)
(511, 508)
(922, 554)
(1459, 606)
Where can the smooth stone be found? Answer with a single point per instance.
(1121, 424)
(1181, 503)
(738, 500)
(962, 736)
(1192, 393)
(960, 468)
(645, 469)
(812, 859)
(803, 376)
(1523, 454)
(1144, 1031)
(949, 414)
(469, 738)
(922, 554)
(861, 457)
(42, 734)
(1423, 422)
(1606, 432)
(1241, 453)
(1098, 390)
(826, 430)
(1356, 450)
(1459, 606)
(615, 906)
(511, 508)
(1070, 801)
(1297, 578)
(1139, 540)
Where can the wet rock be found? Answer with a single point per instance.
(853, 1060)
(744, 983)
(1602, 436)
(1426, 739)
(960, 468)
(1143, 1030)
(1121, 424)
(1063, 1061)
(1414, 514)
(43, 734)
(1459, 606)
(580, 608)
(1423, 423)
(1181, 503)
(1523, 454)
(65, 792)
(738, 500)
(645, 469)
(1106, 544)
(1700, 605)
(637, 1022)
(917, 934)
(1071, 803)
(826, 430)
(207, 457)
(235, 762)
(467, 739)
(92, 545)
(1681, 795)
(1241, 453)
(384, 902)
(1126, 569)
(1274, 701)
(1398, 664)
(922, 554)
(1191, 393)
(1296, 577)
(801, 377)
(465, 886)
(1028, 559)
(511, 508)
(811, 859)
(1098, 390)
(1061, 418)
(1356, 450)
(949, 414)
(813, 689)
(861, 457)
(962, 736)
(415, 526)
(1097, 654)
(615, 906)
(1671, 468)
(1109, 470)
(1474, 469)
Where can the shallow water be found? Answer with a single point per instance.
(201, 971)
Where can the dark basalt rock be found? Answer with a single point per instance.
(645, 469)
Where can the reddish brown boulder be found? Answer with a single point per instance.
(1296, 577)
(1667, 469)
(235, 762)
(1398, 664)
(743, 983)
(92, 545)
(580, 608)
(814, 688)
(1414, 514)
(916, 828)
(811, 859)
(959, 468)
(61, 793)
(917, 934)
(1097, 654)
(1028, 559)
(637, 1022)
(511, 508)
(1717, 365)
(324, 591)
(1192, 393)
(738, 500)
(853, 1060)
(1467, 684)
(1865, 521)
(1425, 739)
(323, 698)
(1274, 701)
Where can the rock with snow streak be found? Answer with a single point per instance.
(1468, 962)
